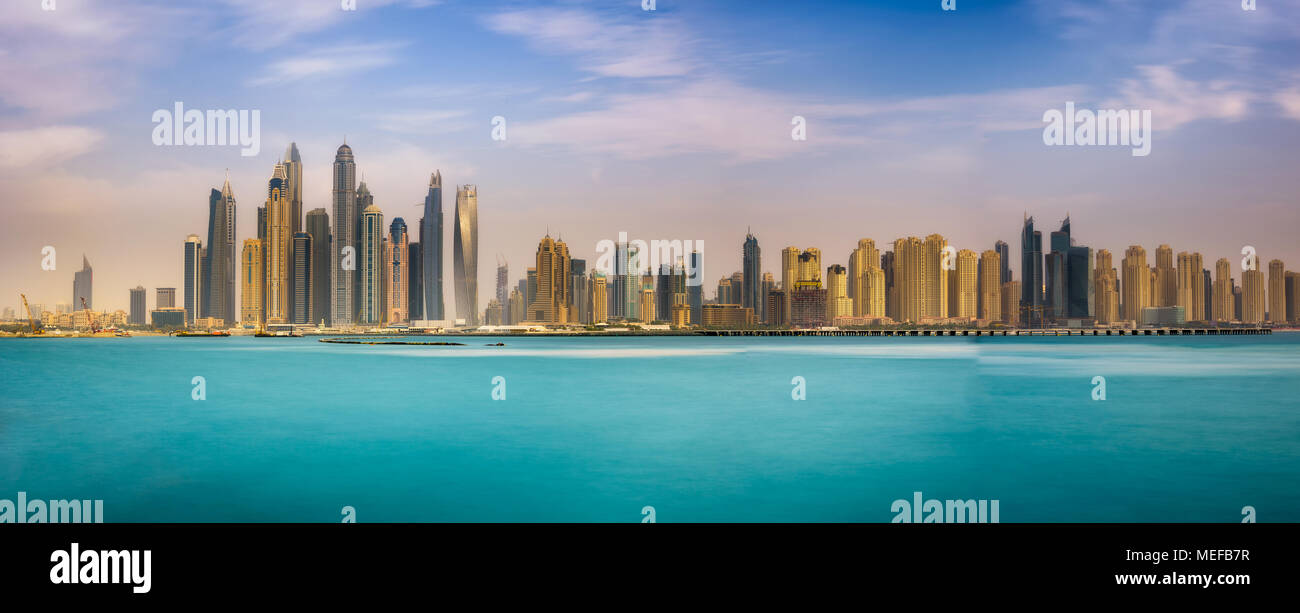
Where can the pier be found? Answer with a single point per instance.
(1017, 332)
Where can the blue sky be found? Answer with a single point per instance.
(666, 124)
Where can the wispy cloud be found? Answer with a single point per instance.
(261, 25)
(41, 147)
(633, 47)
(330, 61)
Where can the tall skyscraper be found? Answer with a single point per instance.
(551, 303)
(397, 250)
(370, 260)
(695, 287)
(415, 279)
(193, 299)
(789, 274)
(1222, 310)
(365, 199)
(1031, 272)
(83, 286)
(838, 303)
(1168, 291)
(1004, 255)
(599, 299)
(343, 256)
(431, 247)
(278, 250)
(990, 284)
(1277, 292)
(864, 260)
(465, 254)
(137, 316)
(303, 275)
(909, 279)
(1190, 289)
(752, 268)
(1080, 287)
(219, 264)
(963, 286)
(254, 273)
(318, 226)
(579, 296)
(293, 187)
(1136, 284)
(503, 280)
(1253, 300)
(935, 277)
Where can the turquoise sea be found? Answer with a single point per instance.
(702, 429)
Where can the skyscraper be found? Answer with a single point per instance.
(219, 257)
(695, 285)
(909, 279)
(293, 187)
(551, 303)
(1031, 272)
(862, 262)
(364, 200)
(1277, 292)
(1004, 255)
(963, 286)
(278, 250)
(1253, 300)
(465, 254)
(599, 300)
(343, 256)
(431, 247)
(1190, 286)
(415, 279)
(838, 303)
(503, 280)
(83, 286)
(193, 300)
(752, 268)
(303, 275)
(1136, 284)
(935, 277)
(318, 226)
(251, 294)
(1168, 290)
(137, 316)
(397, 250)
(370, 260)
(990, 284)
(579, 296)
(1223, 309)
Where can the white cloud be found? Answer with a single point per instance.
(635, 48)
(330, 61)
(47, 146)
(1175, 101)
(262, 24)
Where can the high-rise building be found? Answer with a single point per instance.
(776, 313)
(551, 303)
(579, 296)
(1169, 289)
(398, 269)
(862, 261)
(193, 299)
(431, 247)
(343, 256)
(891, 293)
(1222, 310)
(303, 292)
(1253, 300)
(1031, 272)
(935, 276)
(503, 280)
(1004, 256)
(990, 285)
(1136, 283)
(838, 303)
(1277, 292)
(370, 259)
(1190, 287)
(695, 285)
(415, 281)
(137, 317)
(1207, 297)
(251, 311)
(465, 254)
(663, 283)
(909, 279)
(83, 286)
(219, 256)
(752, 268)
(810, 268)
(277, 251)
(293, 187)
(1293, 297)
(318, 226)
(165, 297)
(1081, 290)
(789, 272)
(1011, 296)
(647, 306)
(963, 286)
(599, 299)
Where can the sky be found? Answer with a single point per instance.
(668, 124)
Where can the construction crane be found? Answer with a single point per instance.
(90, 316)
(30, 320)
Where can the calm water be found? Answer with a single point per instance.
(702, 429)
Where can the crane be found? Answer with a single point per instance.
(90, 316)
(30, 320)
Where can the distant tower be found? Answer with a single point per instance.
(431, 249)
(137, 317)
(293, 186)
(278, 254)
(370, 263)
(344, 236)
(318, 226)
(551, 303)
(303, 274)
(465, 254)
(397, 268)
(219, 257)
(82, 286)
(751, 283)
(254, 274)
(193, 299)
